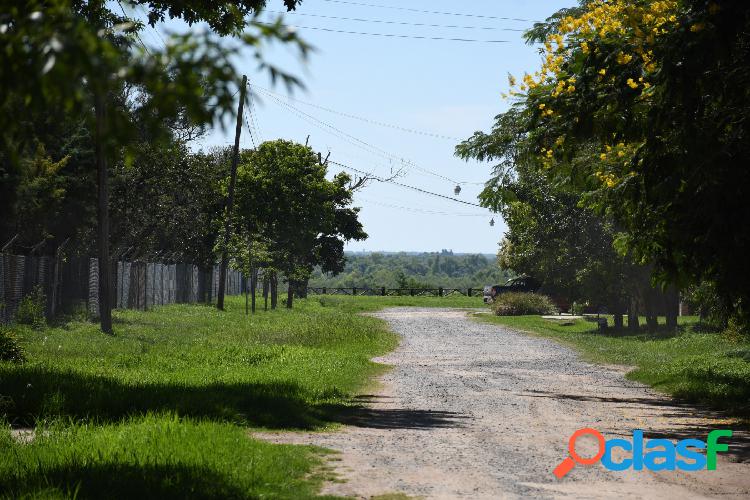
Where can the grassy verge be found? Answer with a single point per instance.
(161, 409)
(696, 366)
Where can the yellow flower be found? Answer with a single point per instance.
(542, 106)
(602, 71)
(603, 156)
(632, 83)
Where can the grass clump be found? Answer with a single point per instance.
(10, 348)
(31, 309)
(522, 303)
(691, 364)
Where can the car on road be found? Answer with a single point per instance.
(521, 283)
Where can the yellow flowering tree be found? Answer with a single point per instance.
(641, 107)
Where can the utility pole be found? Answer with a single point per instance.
(105, 305)
(230, 199)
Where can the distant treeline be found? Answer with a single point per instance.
(408, 270)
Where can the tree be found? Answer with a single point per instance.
(637, 108)
(79, 55)
(282, 194)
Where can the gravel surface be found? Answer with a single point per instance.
(473, 410)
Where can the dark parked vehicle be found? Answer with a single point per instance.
(518, 284)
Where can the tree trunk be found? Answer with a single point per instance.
(105, 305)
(265, 290)
(618, 321)
(633, 315)
(672, 307)
(652, 321)
(253, 286)
(290, 294)
(274, 290)
(230, 200)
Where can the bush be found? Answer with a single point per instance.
(10, 349)
(31, 309)
(520, 303)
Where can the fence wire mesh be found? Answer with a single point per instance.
(71, 284)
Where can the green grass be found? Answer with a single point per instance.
(699, 367)
(162, 408)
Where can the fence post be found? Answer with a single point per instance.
(440, 291)
(354, 291)
(469, 292)
(382, 291)
(412, 292)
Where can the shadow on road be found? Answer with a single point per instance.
(685, 420)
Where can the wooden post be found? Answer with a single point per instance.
(253, 287)
(230, 199)
(468, 292)
(440, 291)
(102, 214)
(354, 291)
(382, 291)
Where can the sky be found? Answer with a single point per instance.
(442, 87)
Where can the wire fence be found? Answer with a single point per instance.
(71, 284)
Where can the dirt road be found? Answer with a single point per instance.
(473, 410)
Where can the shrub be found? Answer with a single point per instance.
(520, 303)
(10, 349)
(31, 309)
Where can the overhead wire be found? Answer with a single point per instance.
(419, 210)
(361, 118)
(407, 186)
(421, 11)
(358, 142)
(393, 35)
(399, 23)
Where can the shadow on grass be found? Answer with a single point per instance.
(681, 416)
(42, 393)
(115, 480)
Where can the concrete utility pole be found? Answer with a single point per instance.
(230, 199)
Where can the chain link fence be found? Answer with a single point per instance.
(71, 284)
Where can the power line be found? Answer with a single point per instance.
(407, 186)
(359, 142)
(399, 23)
(393, 35)
(361, 118)
(421, 210)
(409, 9)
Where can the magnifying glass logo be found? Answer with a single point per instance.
(569, 462)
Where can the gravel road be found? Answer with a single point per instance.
(473, 410)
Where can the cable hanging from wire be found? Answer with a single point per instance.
(421, 11)
(407, 186)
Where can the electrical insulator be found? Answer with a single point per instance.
(457, 190)
(492, 222)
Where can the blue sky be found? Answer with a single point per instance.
(449, 88)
